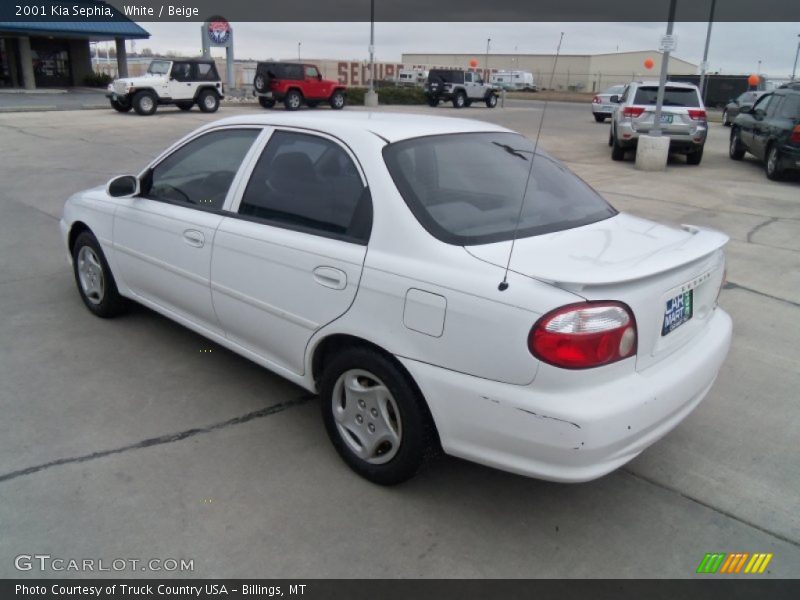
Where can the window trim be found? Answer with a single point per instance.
(229, 197)
(244, 179)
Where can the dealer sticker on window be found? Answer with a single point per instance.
(677, 312)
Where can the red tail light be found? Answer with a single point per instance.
(596, 100)
(697, 114)
(795, 137)
(585, 335)
(632, 111)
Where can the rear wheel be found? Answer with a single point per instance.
(773, 165)
(459, 100)
(337, 100)
(617, 151)
(266, 102)
(184, 105)
(725, 120)
(208, 101)
(694, 158)
(433, 102)
(375, 416)
(120, 106)
(736, 149)
(599, 118)
(293, 100)
(145, 103)
(96, 284)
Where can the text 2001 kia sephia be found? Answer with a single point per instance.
(360, 257)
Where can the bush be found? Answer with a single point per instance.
(388, 95)
(97, 80)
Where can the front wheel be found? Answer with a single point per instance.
(375, 417)
(266, 102)
(208, 101)
(337, 100)
(491, 101)
(773, 166)
(736, 149)
(96, 284)
(145, 103)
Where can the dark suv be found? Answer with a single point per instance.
(295, 84)
(770, 131)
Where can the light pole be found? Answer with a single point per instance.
(488, 43)
(796, 54)
(663, 79)
(704, 65)
(371, 97)
(759, 68)
(298, 50)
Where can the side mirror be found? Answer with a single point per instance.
(614, 99)
(758, 113)
(123, 186)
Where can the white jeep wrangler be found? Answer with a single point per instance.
(182, 82)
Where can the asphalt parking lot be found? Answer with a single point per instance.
(136, 438)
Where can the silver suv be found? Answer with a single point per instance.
(683, 118)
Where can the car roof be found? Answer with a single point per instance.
(390, 126)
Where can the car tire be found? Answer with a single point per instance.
(459, 100)
(772, 164)
(208, 101)
(293, 100)
(491, 101)
(145, 103)
(694, 158)
(617, 151)
(393, 410)
(94, 279)
(725, 122)
(122, 107)
(338, 100)
(610, 138)
(735, 148)
(266, 102)
(184, 105)
(261, 82)
(599, 118)
(433, 102)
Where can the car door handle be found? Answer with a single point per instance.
(330, 277)
(194, 238)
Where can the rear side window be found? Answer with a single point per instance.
(206, 72)
(282, 70)
(673, 96)
(790, 109)
(467, 189)
(311, 184)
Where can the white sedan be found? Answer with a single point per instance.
(363, 257)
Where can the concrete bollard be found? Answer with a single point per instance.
(371, 98)
(652, 153)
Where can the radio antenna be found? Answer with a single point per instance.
(503, 286)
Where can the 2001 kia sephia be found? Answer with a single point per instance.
(364, 256)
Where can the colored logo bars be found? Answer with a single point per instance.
(736, 562)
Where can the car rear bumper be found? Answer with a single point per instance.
(689, 141)
(571, 435)
(602, 109)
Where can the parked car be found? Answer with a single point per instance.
(514, 80)
(183, 82)
(770, 131)
(741, 103)
(683, 118)
(296, 84)
(462, 88)
(304, 243)
(412, 77)
(602, 107)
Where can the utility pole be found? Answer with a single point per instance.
(704, 65)
(298, 50)
(796, 54)
(371, 97)
(656, 132)
(488, 43)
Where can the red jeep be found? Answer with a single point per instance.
(295, 84)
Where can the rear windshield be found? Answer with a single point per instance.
(467, 188)
(673, 96)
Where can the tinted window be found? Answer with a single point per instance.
(673, 96)
(206, 72)
(446, 76)
(201, 171)
(762, 102)
(774, 107)
(182, 71)
(468, 188)
(306, 182)
(791, 107)
(615, 89)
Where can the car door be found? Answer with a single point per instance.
(313, 84)
(162, 238)
(766, 129)
(289, 261)
(181, 86)
(749, 123)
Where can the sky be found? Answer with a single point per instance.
(736, 48)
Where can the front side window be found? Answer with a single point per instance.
(775, 106)
(308, 183)
(673, 96)
(159, 67)
(182, 71)
(468, 188)
(200, 172)
(312, 72)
